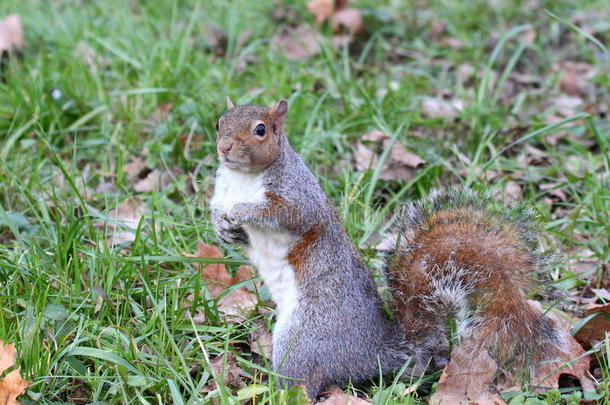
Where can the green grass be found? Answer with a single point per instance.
(55, 154)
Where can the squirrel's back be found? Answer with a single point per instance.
(455, 254)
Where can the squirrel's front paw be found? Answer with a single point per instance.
(228, 231)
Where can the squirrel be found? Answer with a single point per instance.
(448, 254)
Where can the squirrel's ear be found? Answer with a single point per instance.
(278, 112)
(230, 103)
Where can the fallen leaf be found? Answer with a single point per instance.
(435, 107)
(135, 169)
(350, 18)
(225, 367)
(106, 187)
(296, 44)
(601, 293)
(338, 397)
(567, 106)
(123, 220)
(400, 155)
(467, 377)
(512, 191)
(575, 77)
(322, 9)
(216, 275)
(156, 180)
(11, 34)
(12, 385)
(569, 359)
(585, 262)
(554, 191)
(487, 175)
(399, 165)
(237, 303)
(595, 329)
(465, 72)
(261, 341)
(375, 136)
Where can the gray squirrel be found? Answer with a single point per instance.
(449, 253)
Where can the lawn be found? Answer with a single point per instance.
(108, 114)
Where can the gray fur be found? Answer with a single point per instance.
(339, 331)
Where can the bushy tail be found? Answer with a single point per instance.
(455, 253)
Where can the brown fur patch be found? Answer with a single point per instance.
(251, 152)
(274, 204)
(299, 252)
(498, 267)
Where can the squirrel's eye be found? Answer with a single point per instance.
(259, 130)
(216, 125)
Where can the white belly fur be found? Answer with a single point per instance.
(268, 249)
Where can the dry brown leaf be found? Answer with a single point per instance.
(338, 397)
(570, 359)
(124, 220)
(435, 107)
(468, 377)
(151, 182)
(402, 156)
(296, 44)
(225, 367)
(575, 77)
(350, 18)
(566, 106)
(512, 191)
(11, 34)
(134, 169)
(595, 329)
(399, 165)
(554, 191)
(235, 304)
(487, 175)
(156, 180)
(12, 385)
(602, 293)
(584, 262)
(322, 9)
(375, 136)
(261, 341)
(216, 275)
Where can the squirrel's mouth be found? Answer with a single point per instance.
(230, 162)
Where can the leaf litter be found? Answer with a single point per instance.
(11, 34)
(336, 396)
(471, 376)
(123, 221)
(400, 164)
(297, 43)
(12, 385)
(238, 303)
(224, 368)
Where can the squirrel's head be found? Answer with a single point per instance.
(248, 136)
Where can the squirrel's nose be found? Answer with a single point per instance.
(226, 148)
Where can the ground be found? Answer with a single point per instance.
(108, 113)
